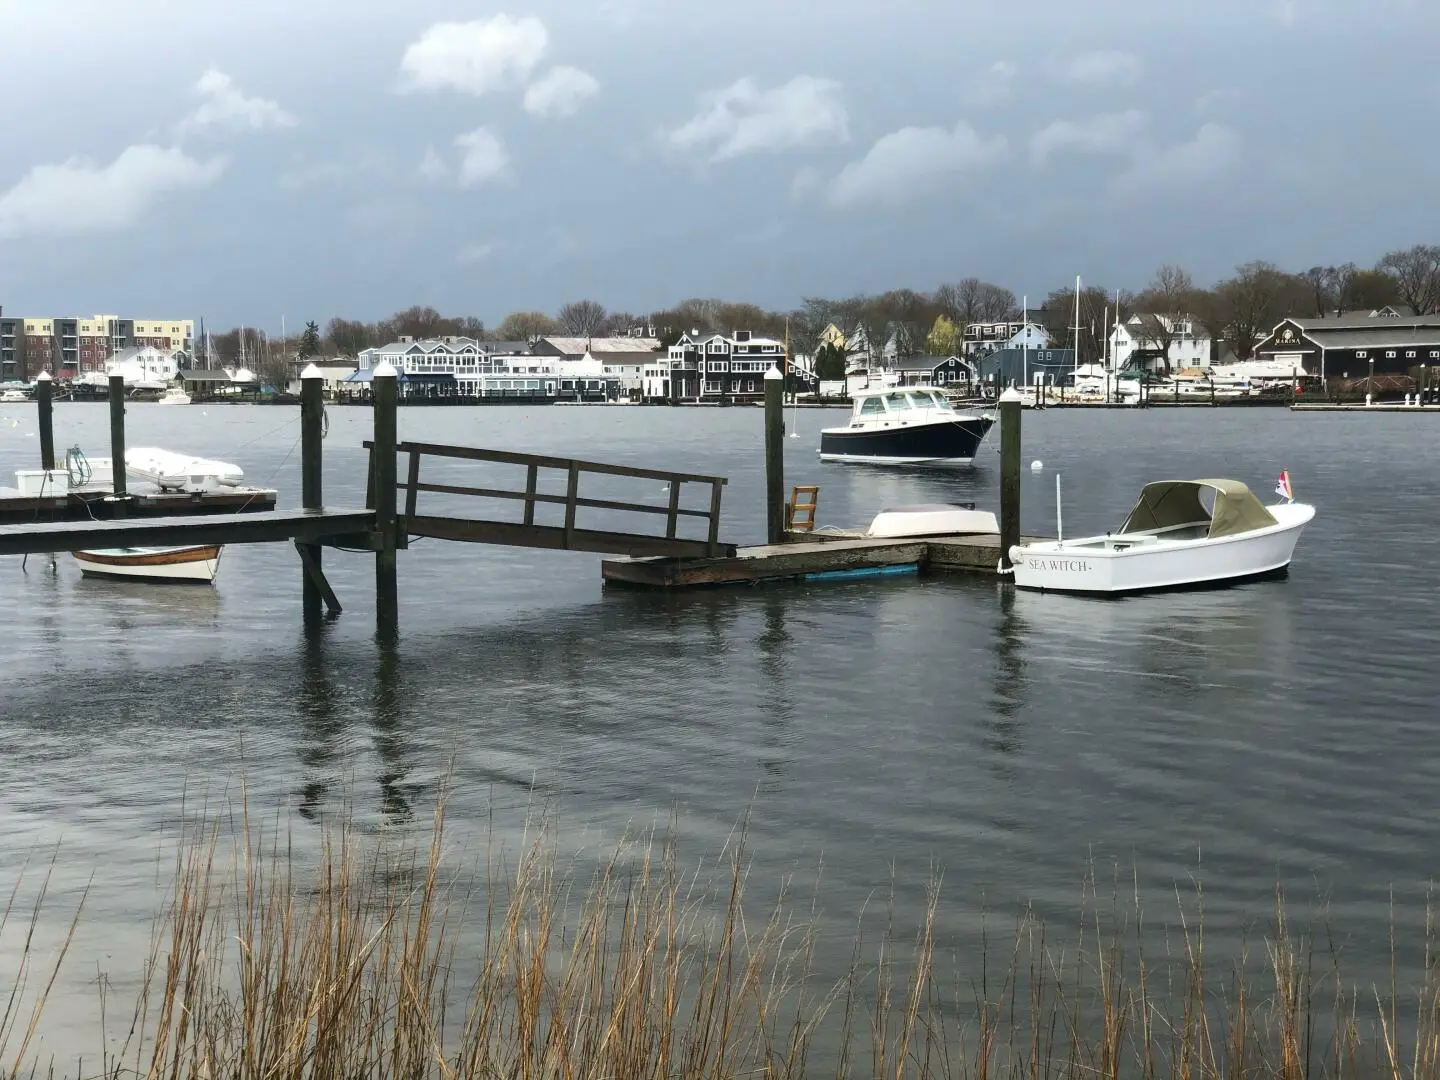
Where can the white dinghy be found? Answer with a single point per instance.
(934, 519)
(1181, 533)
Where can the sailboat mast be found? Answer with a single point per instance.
(1024, 340)
(1076, 358)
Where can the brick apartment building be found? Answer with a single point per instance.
(67, 347)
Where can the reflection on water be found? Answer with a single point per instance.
(1279, 728)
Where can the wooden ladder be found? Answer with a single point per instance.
(800, 516)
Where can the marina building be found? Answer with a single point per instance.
(1354, 344)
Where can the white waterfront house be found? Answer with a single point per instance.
(982, 339)
(1140, 341)
(467, 368)
(146, 367)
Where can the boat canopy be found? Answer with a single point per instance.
(1168, 504)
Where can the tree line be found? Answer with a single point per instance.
(1238, 311)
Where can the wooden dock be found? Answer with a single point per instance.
(840, 555)
(88, 502)
(352, 527)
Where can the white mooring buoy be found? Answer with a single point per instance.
(1037, 465)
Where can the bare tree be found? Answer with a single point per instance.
(422, 322)
(1165, 304)
(1245, 308)
(524, 325)
(581, 318)
(1417, 275)
(974, 301)
(1060, 320)
(1370, 289)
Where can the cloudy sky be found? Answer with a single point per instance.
(310, 158)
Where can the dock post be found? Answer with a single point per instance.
(387, 598)
(774, 456)
(1010, 409)
(312, 414)
(117, 442)
(45, 399)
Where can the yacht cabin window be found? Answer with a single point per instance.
(897, 402)
(872, 406)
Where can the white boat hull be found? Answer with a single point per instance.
(1142, 563)
(174, 564)
(933, 520)
(180, 472)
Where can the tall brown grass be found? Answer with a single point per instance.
(264, 966)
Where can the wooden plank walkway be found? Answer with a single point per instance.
(93, 501)
(309, 526)
(841, 554)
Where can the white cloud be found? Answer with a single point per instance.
(483, 157)
(79, 196)
(914, 162)
(1106, 133)
(1104, 68)
(744, 118)
(994, 84)
(432, 166)
(474, 253)
(560, 92)
(805, 182)
(474, 57)
(226, 108)
(1214, 149)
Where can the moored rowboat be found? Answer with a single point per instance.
(176, 564)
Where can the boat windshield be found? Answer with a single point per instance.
(927, 399)
(897, 402)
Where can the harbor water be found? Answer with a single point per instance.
(1277, 732)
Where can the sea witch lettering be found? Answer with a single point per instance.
(1074, 566)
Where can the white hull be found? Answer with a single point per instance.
(875, 459)
(178, 564)
(180, 472)
(174, 397)
(933, 520)
(1140, 562)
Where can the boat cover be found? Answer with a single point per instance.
(1168, 503)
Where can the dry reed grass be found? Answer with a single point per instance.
(261, 969)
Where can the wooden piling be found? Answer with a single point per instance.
(383, 392)
(312, 417)
(1010, 410)
(117, 441)
(45, 399)
(774, 456)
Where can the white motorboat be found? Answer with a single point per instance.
(13, 395)
(180, 472)
(197, 564)
(933, 519)
(1181, 533)
(176, 395)
(913, 425)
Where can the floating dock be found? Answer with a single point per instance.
(838, 555)
(92, 502)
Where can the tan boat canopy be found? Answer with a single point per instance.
(1169, 504)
